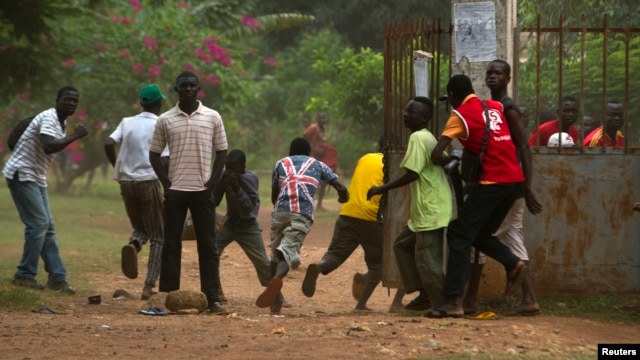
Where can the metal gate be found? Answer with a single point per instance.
(587, 240)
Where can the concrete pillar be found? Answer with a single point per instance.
(505, 21)
(493, 280)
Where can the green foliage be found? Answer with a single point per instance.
(111, 48)
(352, 91)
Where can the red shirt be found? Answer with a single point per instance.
(500, 160)
(549, 128)
(596, 138)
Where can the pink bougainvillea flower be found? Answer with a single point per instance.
(201, 94)
(251, 50)
(154, 71)
(150, 43)
(101, 48)
(189, 67)
(269, 60)
(127, 21)
(69, 63)
(183, 5)
(162, 60)
(139, 68)
(250, 22)
(115, 19)
(212, 80)
(216, 53)
(125, 53)
(136, 5)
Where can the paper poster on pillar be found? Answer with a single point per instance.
(475, 31)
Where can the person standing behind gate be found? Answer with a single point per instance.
(488, 203)
(510, 232)
(26, 174)
(193, 132)
(419, 245)
(294, 182)
(608, 134)
(139, 186)
(569, 112)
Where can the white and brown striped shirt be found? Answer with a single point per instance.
(192, 140)
(28, 157)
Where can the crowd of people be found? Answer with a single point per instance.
(173, 162)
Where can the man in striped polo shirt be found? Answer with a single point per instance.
(26, 174)
(193, 132)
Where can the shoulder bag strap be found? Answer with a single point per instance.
(485, 140)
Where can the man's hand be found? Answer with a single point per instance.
(80, 131)
(343, 196)
(532, 203)
(230, 181)
(375, 190)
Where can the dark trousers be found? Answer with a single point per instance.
(480, 216)
(202, 208)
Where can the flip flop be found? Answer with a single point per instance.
(441, 313)
(518, 311)
(47, 310)
(487, 315)
(154, 310)
(310, 279)
(514, 282)
(416, 305)
(270, 292)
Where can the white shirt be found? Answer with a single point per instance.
(28, 157)
(134, 136)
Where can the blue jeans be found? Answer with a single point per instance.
(32, 202)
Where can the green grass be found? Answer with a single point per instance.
(91, 229)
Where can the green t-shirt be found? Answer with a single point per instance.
(431, 198)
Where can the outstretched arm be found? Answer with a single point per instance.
(343, 193)
(51, 145)
(407, 178)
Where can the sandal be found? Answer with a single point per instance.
(417, 305)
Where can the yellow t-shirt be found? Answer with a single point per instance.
(368, 173)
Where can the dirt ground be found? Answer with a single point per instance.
(322, 327)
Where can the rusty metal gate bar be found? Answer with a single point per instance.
(586, 241)
(402, 39)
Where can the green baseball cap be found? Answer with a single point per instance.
(150, 94)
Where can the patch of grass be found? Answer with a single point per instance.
(19, 298)
(91, 230)
(607, 308)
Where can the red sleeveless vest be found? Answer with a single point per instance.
(500, 161)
